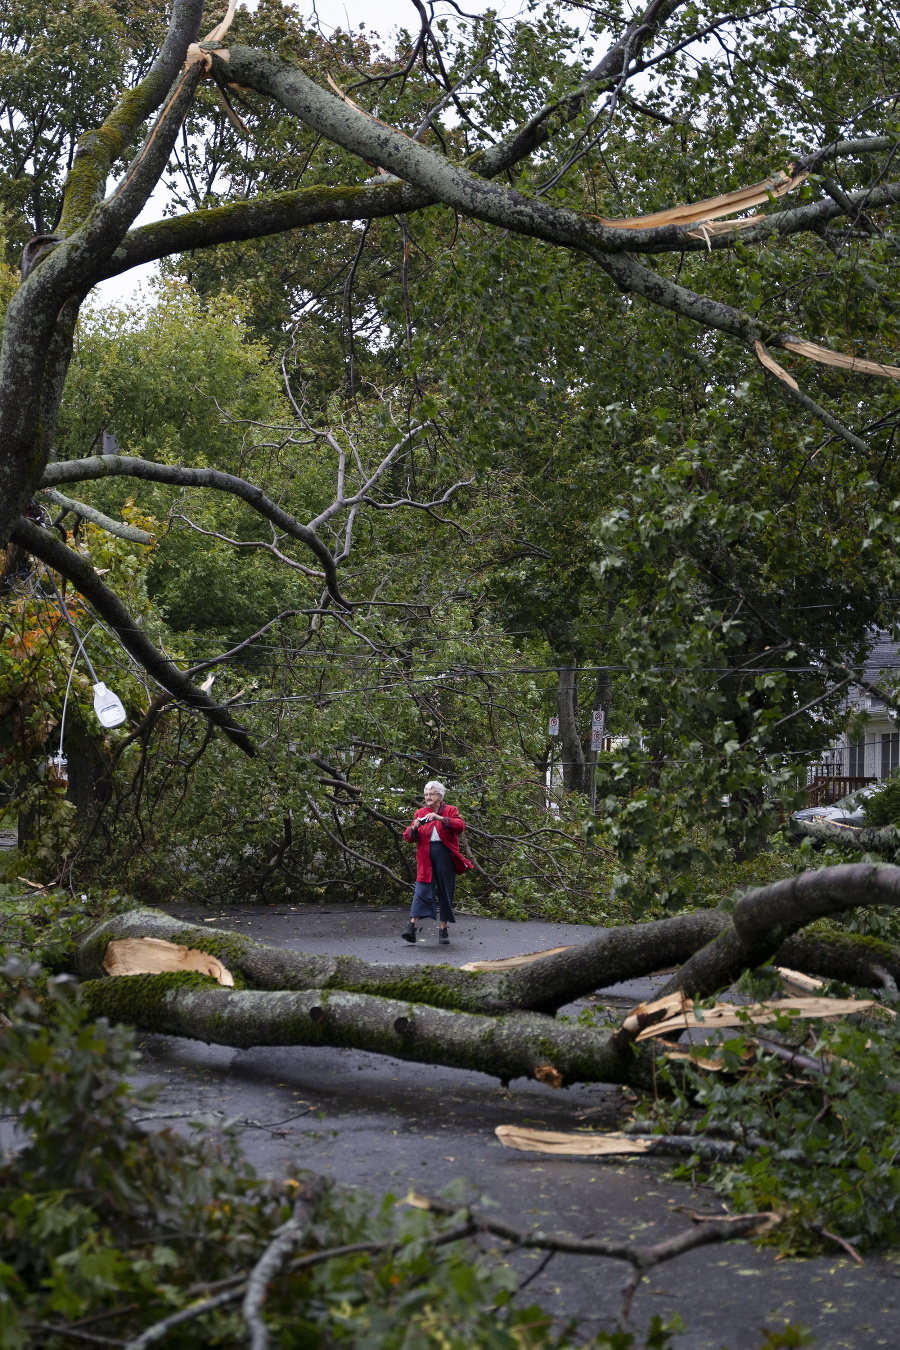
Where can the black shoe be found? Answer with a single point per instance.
(443, 937)
(409, 932)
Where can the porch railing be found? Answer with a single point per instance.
(825, 790)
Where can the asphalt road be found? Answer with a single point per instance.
(385, 1125)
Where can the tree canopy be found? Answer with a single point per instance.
(640, 456)
(498, 370)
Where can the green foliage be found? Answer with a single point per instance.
(883, 807)
(104, 1217)
(827, 1154)
(638, 505)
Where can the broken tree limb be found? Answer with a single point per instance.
(469, 1222)
(865, 838)
(767, 916)
(618, 1144)
(151, 956)
(542, 986)
(514, 1045)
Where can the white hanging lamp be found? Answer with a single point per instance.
(107, 705)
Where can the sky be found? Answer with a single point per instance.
(383, 16)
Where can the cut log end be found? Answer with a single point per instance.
(154, 956)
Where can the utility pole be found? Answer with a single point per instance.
(598, 730)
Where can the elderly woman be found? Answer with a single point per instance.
(435, 831)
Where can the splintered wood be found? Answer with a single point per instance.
(796, 982)
(713, 207)
(153, 956)
(586, 1145)
(668, 1016)
(767, 360)
(512, 962)
(826, 357)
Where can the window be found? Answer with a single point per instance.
(890, 752)
(857, 760)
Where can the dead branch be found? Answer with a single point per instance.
(273, 1258)
(106, 466)
(467, 1223)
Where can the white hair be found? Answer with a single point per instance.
(435, 786)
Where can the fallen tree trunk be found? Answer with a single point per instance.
(865, 838)
(544, 986)
(765, 918)
(516, 1045)
(491, 1022)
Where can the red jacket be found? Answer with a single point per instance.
(449, 828)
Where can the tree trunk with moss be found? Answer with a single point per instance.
(496, 1022)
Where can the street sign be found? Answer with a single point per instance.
(553, 726)
(598, 720)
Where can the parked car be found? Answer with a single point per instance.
(847, 811)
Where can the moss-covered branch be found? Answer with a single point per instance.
(516, 1045)
(299, 208)
(118, 527)
(765, 918)
(546, 985)
(99, 148)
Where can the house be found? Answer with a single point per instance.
(855, 762)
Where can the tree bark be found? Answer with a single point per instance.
(866, 839)
(765, 918)
(495, 1023)
(615, 954)
(516, 1045)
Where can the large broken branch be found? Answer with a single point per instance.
(542, 985)
(513, 1045)
(491, 1022)
(764, 918)
(865, 838)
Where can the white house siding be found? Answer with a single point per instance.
(877, 754)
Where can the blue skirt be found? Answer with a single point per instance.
(436, 896)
